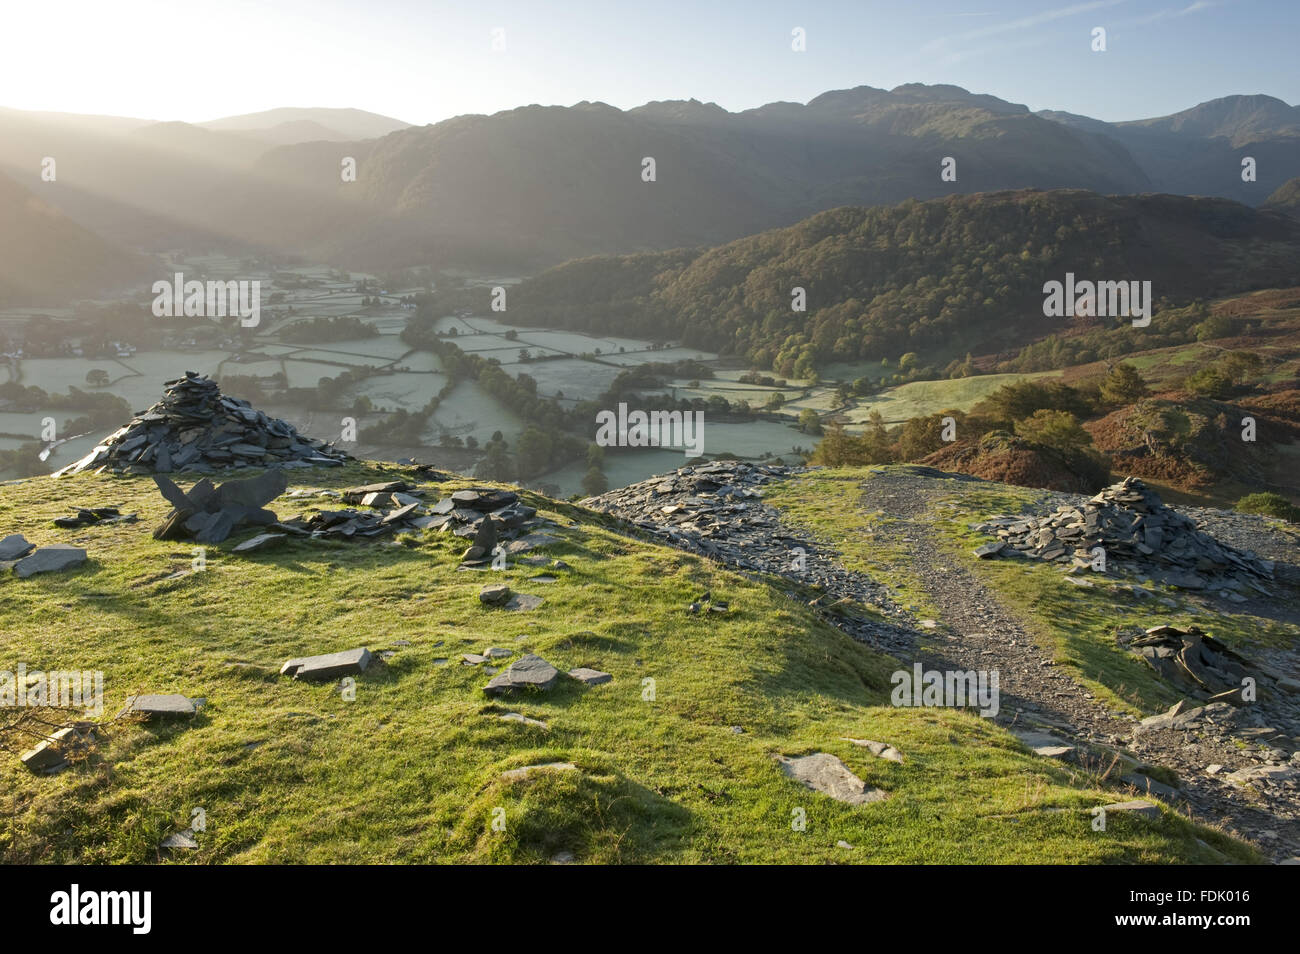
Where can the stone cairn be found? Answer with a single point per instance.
(1138, 533)
(714, 509)
(197, 428)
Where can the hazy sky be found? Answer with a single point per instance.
(423, 60)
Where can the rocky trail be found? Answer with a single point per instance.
(1237, 767)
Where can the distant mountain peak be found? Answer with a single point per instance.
(682, 110)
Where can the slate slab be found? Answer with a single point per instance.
(160, 706)
(329, 666)
(530, 672)
(51, 559)
(523, 602)
(495, 594)
(14, 547)
(591, 677)
(52, 752)
(263, 541)
(1043, 743)
(823, 772)
(1136, 807)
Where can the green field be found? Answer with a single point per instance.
(921, 398)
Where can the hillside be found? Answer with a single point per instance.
(1286, 198)
(542, 184)
(1198, 151)
(45, 257)
(302, 124)
(674, 760)
(939, 278)
(527, 188)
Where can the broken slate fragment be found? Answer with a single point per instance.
(1043, 743)
(530, 672)
(182, 839)
(263, 541)
(495, 594)
(15, 547)
(592, 677)
(329, 666)
(1136, 807)
(59, 556)
(823, 772)
(523, 602)
(156, 706)
(52, 753)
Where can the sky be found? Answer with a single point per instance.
(423, 60)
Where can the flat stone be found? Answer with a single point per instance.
(401, 513)
(823, 772)
(592, 677)
(1144, 783)
(53, 751)
(263, 541)
(530, 672)
(180, 840)
(1043, 743)
(51, 559)
(513, 775)
(524, 602)
(155, 706)
(1264, 773)
(329, 666)
(15, 547)
(1136, 807)
(522, 719)
(494, 594)
(496, 652)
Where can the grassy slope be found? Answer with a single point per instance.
(921, 398)
(410, 770)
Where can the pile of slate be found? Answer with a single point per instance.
(463, 512)
(1195, 662)
(1138, 533)
(207, 513)
(397, 507)
(90, 516)
(716, 510)
(197, 428)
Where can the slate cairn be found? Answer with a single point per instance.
(197, 428)
(1139, 534)
(717, 510)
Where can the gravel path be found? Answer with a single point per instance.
(1035, 694)
(716, 510)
